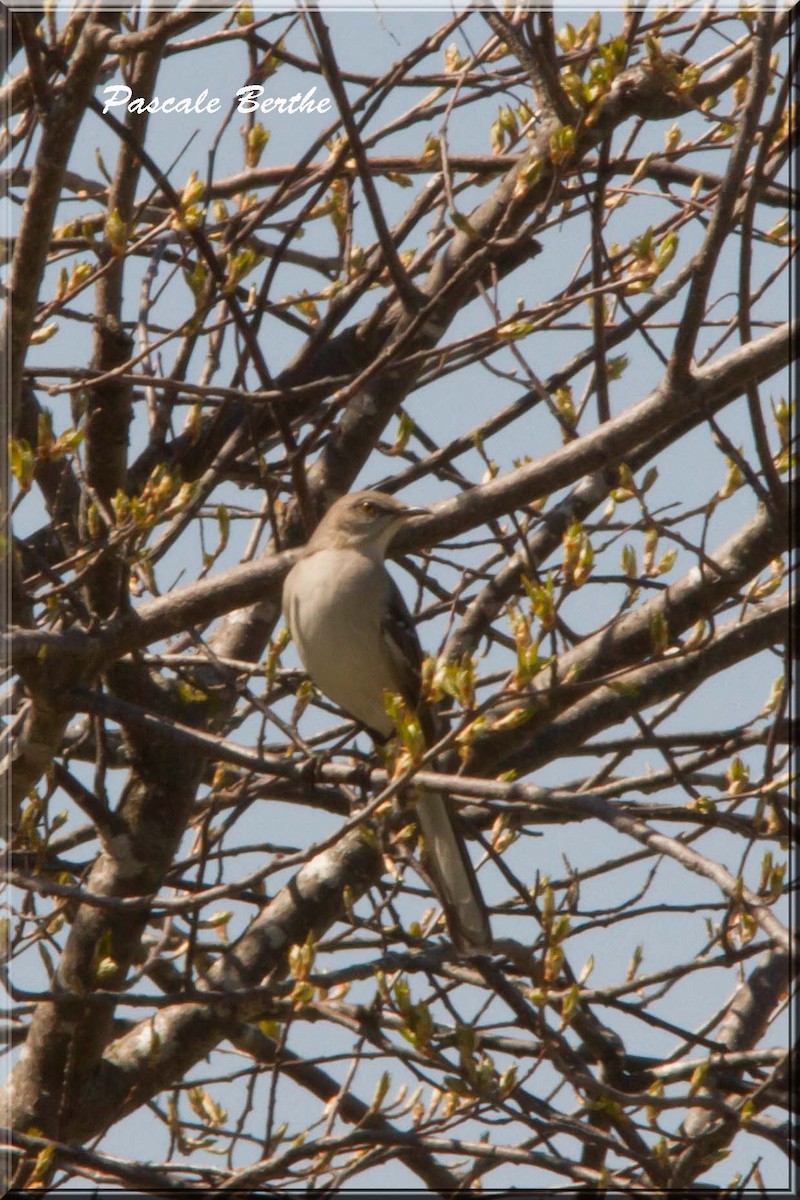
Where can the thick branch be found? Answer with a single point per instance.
(32, 243)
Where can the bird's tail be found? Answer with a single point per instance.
(454, 876)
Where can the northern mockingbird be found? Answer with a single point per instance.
(357, 641)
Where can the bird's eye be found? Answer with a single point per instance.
(368, 507)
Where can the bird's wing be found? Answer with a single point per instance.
(401, 641)
(400, 637)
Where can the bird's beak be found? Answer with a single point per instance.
(416, 512)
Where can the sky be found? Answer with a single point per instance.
(380, 33)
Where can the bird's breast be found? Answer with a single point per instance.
(334, 603)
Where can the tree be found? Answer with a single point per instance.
(534, 275)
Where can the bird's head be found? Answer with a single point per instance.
(365, 520)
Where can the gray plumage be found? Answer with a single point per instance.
(357, 640)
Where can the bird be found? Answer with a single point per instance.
(357, 640)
